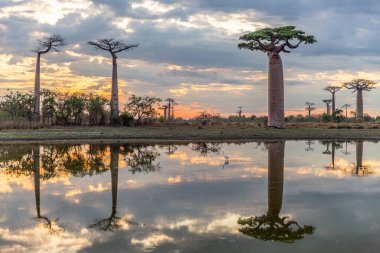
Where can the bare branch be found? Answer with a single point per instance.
(111, 45)
(47, 43)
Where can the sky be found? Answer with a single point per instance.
(188, 50)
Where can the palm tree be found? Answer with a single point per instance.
(358, 85)
(273, 41)
(113, 47)
(48, 43)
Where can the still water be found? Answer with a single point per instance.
(201, 197)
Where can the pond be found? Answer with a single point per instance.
(293, 196)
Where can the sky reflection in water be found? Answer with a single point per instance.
(268, 197)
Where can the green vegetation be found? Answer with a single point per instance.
(190, 133)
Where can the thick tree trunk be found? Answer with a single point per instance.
(333, 103)
(359, 104)
(114, 166)
(114, 94)
(36, 167)
(359, 156)
(37, 88)
(328, 109)
(276, 153)
(275, 92)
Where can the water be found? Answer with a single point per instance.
(266, 197)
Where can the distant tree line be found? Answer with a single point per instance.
(75, 108)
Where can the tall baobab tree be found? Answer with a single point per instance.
(48, 43)
(327, 102)
(272, 227)
(358, 85)
(309, 108)
(170, 106)
(345, 106)
(333, 90)
(113, 47)
(273, 41)
(165, 108)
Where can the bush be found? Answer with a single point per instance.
(126, 119)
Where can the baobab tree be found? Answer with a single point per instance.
(328, 102)
(273, 41)
(271, 226)
(170, 107)
(113, 47)
(333, 90)
(240, 112)
(345, 106)
(358, 85)
(309, 108)
(48, 43)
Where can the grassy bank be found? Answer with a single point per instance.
(182, 133)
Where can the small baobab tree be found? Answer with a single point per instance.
(358, 85)
(48, 43)
(113, 47)
(328, 108)
(345, 106)
(333, 90)
(309, 108)
(273, 41)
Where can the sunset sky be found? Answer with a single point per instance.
(188, 50)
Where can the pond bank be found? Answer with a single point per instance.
(180, 134)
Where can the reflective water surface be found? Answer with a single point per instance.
(298, 196)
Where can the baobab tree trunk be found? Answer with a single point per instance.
(114, 166)
(275, 92)
(276, 153)
(169, 110)
(328, 109)
(114, 94)
(359, 156)
(36, 167)
(359, 104)
(37, 88)
(333, 103)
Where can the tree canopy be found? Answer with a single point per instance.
(111, 45)
(360, 84)
(279, 39)
(332, 89)
(53, 42)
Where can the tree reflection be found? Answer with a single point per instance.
(51, 225)
(309, 144)
(272, 227)
(360, 169)
(334, 146)
(206, 148)
(141, 158)
(112, 222)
